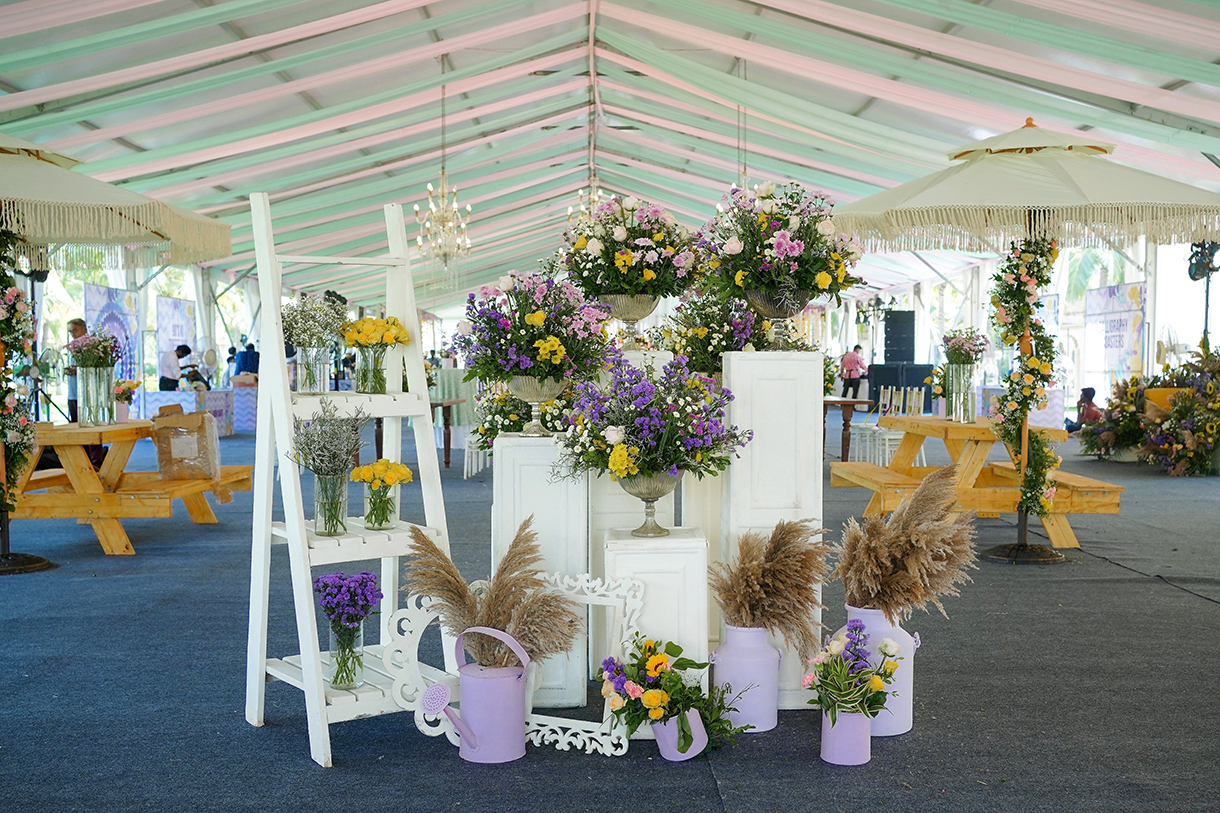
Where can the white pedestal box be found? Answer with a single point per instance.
(778, 395)
(701, 508)
(673, 570)
(521, 486)
(611, 507)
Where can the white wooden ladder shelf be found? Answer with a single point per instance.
(277, 407)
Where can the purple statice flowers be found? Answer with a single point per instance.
(347, 600)
(856, 653)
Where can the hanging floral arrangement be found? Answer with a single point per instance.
(1024, 270)
(17, 430)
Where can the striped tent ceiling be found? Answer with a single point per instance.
(333, 106)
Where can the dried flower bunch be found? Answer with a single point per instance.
(313, 321)
(327, 444)
(517, 601)
(773, 583)
(915, 556)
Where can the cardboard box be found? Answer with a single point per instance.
(188, 446)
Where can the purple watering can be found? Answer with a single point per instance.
(492, 722)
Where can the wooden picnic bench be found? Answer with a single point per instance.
(107, 495)
(986, 489)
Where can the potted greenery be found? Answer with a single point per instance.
(658, 686)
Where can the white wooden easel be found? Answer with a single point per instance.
(277, 407)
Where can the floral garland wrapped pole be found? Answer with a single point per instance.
(17, 431)
(1025, 270)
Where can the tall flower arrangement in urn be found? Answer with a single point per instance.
(1025, 269)
(779, 247)
(646, 430)
(535, 333)
(628, 253)
(706, 325)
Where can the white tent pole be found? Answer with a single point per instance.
(1151, 282)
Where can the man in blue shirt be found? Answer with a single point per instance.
(247, 360)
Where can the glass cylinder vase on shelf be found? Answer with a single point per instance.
(96, 392)
(962, 406)
(628, 253)
(381, 480)
(778, 247)
(372, 338)
(346, 657)
(347, 601)
(313, 370)
(330, 504)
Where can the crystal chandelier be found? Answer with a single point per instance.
(442, 227)
(587, 200)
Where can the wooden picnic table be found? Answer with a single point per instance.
(109, 494)
(848, 407)
(986, 489)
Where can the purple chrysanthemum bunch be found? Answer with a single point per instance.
(347, 600)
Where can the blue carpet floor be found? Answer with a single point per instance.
(1088, 686)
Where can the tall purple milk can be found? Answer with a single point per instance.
(746, 659)
(492, 721)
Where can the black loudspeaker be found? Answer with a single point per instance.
(902, 375)
(899, 337)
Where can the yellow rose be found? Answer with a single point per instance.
(888, 667)
(375, 484)
(649, 274)
(658, 237)
(581, 242)
(616, 701)
(875, 683)
(823, 279)
(656, 714)
(391, 479)
(535, 319)
(654, 698)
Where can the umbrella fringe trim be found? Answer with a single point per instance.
(969, 228)
(154, 231)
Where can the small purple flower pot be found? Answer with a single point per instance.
(667, 737)
(848, 741)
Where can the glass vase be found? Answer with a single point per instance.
(370, 369)
(380, 507)
(96, 386)
(960, 383)
(346, 656)
(313, 369)
(330, 504)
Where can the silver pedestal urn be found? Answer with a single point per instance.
(630, 309)
(778, 308)
(535, 392)
(650, 488)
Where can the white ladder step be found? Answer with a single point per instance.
(357, 545)
(393, 405)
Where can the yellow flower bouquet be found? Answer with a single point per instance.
(371, 338)
(381, 495)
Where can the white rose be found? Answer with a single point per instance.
(749, 348)
(854, 252)
(766, 189)
(889, 648)
(599, 231)
(620, 233)
(631, 204)
(594, 246)
(826, 227)
(733, 246)
(767, 206)
(836, 647)
(506, 283)
(794, 223)
(615, 435)
(464, 327)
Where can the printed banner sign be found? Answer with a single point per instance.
(116, 311)
(175, 323)
(1113, 334)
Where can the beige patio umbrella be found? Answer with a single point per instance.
(1027, 182)
(48, 204)
(1035, 181)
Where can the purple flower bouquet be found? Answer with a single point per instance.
(532, 325)
(96, 349)
(347, 601)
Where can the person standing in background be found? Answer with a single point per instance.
(170, 367)
(76, 329)
(851, 369)
(247, 360)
